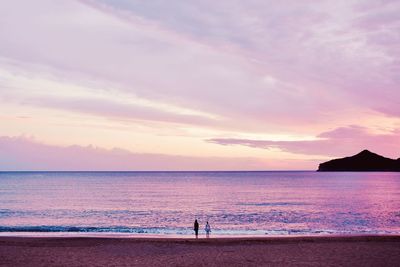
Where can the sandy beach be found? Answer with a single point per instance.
(256, 251)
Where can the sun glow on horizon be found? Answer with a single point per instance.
(218, 89)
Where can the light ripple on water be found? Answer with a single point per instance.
(236, 203)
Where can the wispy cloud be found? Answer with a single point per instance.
(346, 50)
(23, 153)
(107, 102)
(272, 68)
(342, 141)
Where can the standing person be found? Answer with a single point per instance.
(196, 228)
(207, 228)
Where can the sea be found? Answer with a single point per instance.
(167, 203)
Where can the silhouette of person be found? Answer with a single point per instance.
(196, 228)
(207, 228)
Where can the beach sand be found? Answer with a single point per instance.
(256, 251)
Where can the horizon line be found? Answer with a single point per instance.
(156, 171)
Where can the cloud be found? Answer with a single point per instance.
(23, 153)
(342, 51)
(343, 141)
(250, 68)
(51, 93)
(213, 57)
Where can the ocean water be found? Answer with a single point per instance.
(235, 203)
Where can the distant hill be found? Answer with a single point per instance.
(363, 161)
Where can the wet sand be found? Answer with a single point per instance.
(249, 251)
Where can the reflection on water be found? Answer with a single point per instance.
(233, 202)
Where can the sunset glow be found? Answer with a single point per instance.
(197, 85)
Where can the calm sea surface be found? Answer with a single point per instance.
(255, 203)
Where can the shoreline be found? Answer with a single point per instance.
(114, 235)
(349, 250)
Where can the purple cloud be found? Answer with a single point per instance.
(215, 67)
(347, 49)
(342, 141)
(21, 153)
(217, 57)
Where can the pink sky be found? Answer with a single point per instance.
(197, 85)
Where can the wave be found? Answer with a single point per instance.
(272, 204)
(91, 229)
(177, 231)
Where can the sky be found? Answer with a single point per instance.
(197, 85)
